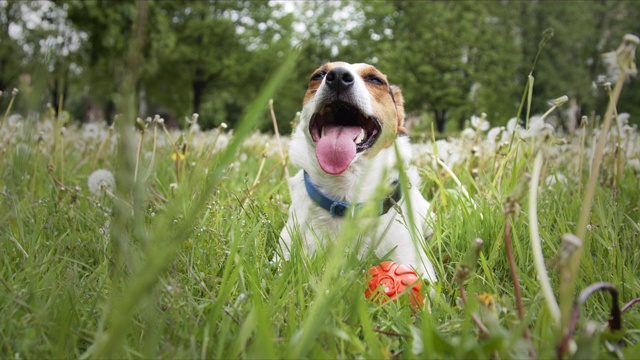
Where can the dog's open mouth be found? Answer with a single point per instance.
(340, 131)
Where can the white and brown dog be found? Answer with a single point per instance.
(345, 145)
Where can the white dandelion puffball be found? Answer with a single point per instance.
(101, 181)
(479, 123)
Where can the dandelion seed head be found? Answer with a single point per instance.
(141, 124)
(559, 101)
(558, 178)
(496, 134)
(480, 122)
(468, 134)
(512, 125)
(100, 182)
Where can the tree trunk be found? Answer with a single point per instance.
(60, 89)
(441, 119)
(197, 86)
(110, 111)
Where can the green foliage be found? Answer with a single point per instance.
(10, 52)
(179, 261)
(441, 52)
(452, 60)
(176, 256)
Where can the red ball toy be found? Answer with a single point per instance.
(394, 280)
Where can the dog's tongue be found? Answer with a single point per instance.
(337, 148)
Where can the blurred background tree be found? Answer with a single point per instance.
(452, 59)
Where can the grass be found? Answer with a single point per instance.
(179, 264)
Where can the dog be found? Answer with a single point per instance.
(345, 143)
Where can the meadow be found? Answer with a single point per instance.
(132, 240)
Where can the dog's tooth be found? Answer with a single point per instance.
(360, 136)
(322, 132)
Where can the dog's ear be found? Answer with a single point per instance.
(399, 103)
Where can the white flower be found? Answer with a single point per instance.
(558, 178)
(448, 153)
(480, 123)
(100, 182)
(496, 135)
(623, 119)
(512, 124)
(91, 131)
(468, 134)
(537, 128)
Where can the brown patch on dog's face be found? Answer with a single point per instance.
(385, 101)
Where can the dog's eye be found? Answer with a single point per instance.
(319, 75)
(374, 80)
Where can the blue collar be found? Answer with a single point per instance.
(338, 208)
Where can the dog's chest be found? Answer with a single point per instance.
(317, 222)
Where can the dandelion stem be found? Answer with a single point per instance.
(153, 152)
(255, 181)
(35, 169)
(581, 161)
(626, 59)
(536, 246)
(476, 320)
(568, 283)
(516, 283)
(157, 195)
(135, 171)
(259, 181)
(6, 112)
(175, 150)
(456, 180)
(512, 267)
(614, 323)
(277, 133)
(102, 145)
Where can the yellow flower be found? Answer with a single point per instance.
(177, 156)
(488, 301)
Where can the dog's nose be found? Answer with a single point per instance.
(339, 78)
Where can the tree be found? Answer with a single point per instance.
(218, 51)
(446, 56)
(108, 27)
(571, 63)
(11, 53)
(323, 29)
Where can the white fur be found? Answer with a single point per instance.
(359, 183)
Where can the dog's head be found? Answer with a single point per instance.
(350, 110)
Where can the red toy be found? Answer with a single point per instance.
(394, 280)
